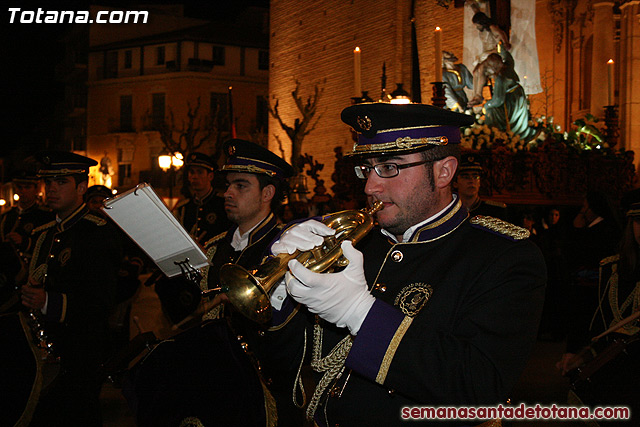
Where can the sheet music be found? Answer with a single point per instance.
(148, 221)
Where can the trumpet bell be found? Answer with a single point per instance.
(246, 293)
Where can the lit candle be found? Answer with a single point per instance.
(356, 71)
(438, 61)
(610, 83)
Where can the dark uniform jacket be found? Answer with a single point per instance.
(203, 219)
(455, 318)
(220, 251)
(81, 256)
(262, 340)
(489, 208)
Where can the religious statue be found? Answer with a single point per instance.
(491, 36)
(106, 171)
(456, 77)
(508, 108)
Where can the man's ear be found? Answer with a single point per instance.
(444, 171)
(268, 192)
(82, 187)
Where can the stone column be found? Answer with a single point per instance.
(629, 86)
(603, 50)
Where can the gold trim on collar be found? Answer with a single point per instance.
(391, 350)
(64, 222)
(447, 217)
(260, 226)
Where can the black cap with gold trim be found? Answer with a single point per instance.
(249, 157)
(202, 160)
(402, 128)
(63, 163)
(469, 162)
(25, 176)
(98, 190)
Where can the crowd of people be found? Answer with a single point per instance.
(439, 303)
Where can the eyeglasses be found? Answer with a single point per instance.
(384, 170)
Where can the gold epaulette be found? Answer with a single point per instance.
(214, 239)
(494, 203)
(498, 226)
(44, 227)
(96, 219)
(610, 259)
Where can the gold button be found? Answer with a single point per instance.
(52, 256)
(380, 287)
(396, 256)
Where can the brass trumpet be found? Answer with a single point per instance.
(249, 291)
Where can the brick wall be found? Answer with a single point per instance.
(313, 42)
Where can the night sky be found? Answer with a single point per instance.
(31, 51)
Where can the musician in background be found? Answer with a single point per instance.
(202, 215)
(17, 224)
(618, 298)
(256, 187)
(73, 287)
(467, 183)
(434, 308)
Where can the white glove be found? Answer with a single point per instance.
(304, 236)
(340, 298)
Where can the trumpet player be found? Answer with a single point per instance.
(434, 308)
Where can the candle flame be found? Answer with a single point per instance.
(610, 61)
(437, 28)
(357, 49)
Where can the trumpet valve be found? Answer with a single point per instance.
(317, 253)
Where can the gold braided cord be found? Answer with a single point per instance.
(298, 381)
(618, 309)
(217, 312)
(332, 365)
(405, 143)
(248, 169)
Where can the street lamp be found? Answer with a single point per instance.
(171, 162)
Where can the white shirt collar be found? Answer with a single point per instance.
(409, 232)
(239, 242)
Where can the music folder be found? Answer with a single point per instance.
(147, 220)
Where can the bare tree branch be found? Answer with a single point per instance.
(301, 126)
